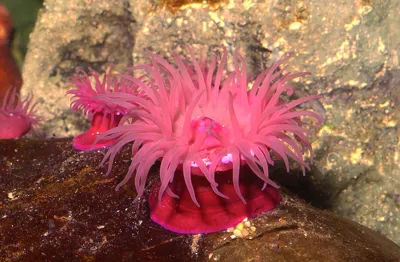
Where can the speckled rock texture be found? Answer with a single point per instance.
(350, 47)
(56, 204)
(68, 34)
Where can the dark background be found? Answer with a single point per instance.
(24, 14)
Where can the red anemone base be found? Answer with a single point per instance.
(100, 124)
(12, 126)
(215, 213)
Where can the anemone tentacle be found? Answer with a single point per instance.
(201, 122)
(17, 116)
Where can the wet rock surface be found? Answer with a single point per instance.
(57, 205)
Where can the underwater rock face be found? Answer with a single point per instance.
(334, 46)
(57, 205)
(90, 35)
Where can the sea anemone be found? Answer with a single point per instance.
(10, 75)
(103, 116)
(16, 117)
(201, 122)
(6, 25)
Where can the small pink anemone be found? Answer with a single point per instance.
(104, 116)
(16, 117)
(199, 123)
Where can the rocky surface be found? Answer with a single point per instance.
(87, 34)
(350, 47)
(57, 205)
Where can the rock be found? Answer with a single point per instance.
(57, 205)
(352, 54)
(86, 34)
(358, 165)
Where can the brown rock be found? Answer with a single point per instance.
(57, 205)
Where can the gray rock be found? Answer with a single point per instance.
(70, 34)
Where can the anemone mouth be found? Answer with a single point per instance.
(206, 139)
(181, 215)
(225, 164)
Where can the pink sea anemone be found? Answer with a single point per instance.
(202, 122)
(103, 116)
(16, 117)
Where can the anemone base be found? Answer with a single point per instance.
(85, 141)
(100, 124)
(215, 213)
(13, 126)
